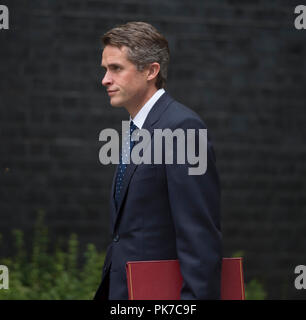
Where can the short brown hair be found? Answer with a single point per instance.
(145, 45)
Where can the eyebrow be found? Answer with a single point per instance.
(111, 65)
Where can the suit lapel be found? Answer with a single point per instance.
(153, 116)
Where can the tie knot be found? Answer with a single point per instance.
(132, 127)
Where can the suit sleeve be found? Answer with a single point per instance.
(195, 209)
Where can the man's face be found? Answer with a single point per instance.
(126, 86)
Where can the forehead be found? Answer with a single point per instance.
(112, 54)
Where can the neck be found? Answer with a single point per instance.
(134, 108)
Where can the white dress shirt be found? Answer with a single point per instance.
(139, 120)
(142, 114)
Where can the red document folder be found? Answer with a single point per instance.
(162, 280)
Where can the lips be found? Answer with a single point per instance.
(111, 92)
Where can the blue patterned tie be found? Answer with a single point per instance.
(122, 166)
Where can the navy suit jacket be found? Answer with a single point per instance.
(164, 213)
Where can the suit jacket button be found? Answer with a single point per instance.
(116, 238)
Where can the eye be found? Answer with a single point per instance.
(116, 68)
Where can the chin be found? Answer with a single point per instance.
(116, 106)
(115, 103)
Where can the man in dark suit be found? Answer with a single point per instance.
(158, 211)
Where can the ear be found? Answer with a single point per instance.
(153, 70)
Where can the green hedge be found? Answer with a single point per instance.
(52, 275)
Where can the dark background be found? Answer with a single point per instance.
(239, 64)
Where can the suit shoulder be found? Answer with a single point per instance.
(178, 115)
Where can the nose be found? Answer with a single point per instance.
(107, 80)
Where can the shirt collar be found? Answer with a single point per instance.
(142, 114)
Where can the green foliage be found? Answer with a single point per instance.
(57, 276)
(51, 275)
(238, 254)
(254, 290)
